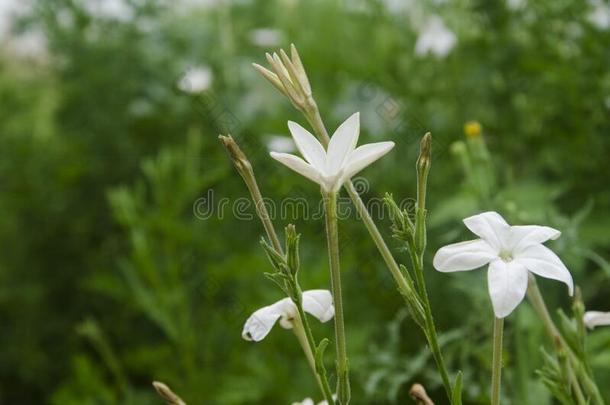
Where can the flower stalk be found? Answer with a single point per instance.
(244, 168)
(332, 237)
(303, 333)
(496, 369)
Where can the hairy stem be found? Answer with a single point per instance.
(332, 237)
(496, 369)
(430, 328)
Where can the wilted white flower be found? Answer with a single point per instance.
(435, 38)
(265, 37)
(196, 79)
(318, 303)
(332, 167)
(510, 251)
(278, 143)
(599, 16)
(596, 318)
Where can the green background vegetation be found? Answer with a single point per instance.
(108, 280)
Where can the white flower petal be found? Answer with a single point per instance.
(308, 145)
(464, 256)
(363, 156)
(319, 303)
(342, 143)
(259, 324)
(489, 226)
(596, 318)
(289, 312)
(523, 236)
(542, 261)
(298, 165)
(507, 283)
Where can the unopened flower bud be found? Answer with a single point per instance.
(241, 162)
(167, 394)
(425, 148)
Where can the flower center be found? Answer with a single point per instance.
(506, 256)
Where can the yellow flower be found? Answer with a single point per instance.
(472, 129)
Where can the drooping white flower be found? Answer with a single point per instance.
(435, 38)
(510, 251)
(332, 167)
(318, 303)
(596, 318)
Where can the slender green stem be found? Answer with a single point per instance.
(385, 252)
(314, 118)
(245, 170)
(580, 396)
(431, 335)
(306, 340)
(332, 235)
(263, 214)
(496, 370)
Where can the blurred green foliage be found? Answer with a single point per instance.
(108, 278)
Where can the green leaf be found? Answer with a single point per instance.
(456, 392)
(319, 355)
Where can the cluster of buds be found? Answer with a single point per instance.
(288, 75)
(286, 265)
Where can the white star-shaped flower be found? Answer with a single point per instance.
(332, 167)
(318, 303)
(510, 251)
(596, 318)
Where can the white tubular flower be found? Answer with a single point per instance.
(510, 251)
(596, 318)
(318, 303)
(332, 167)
